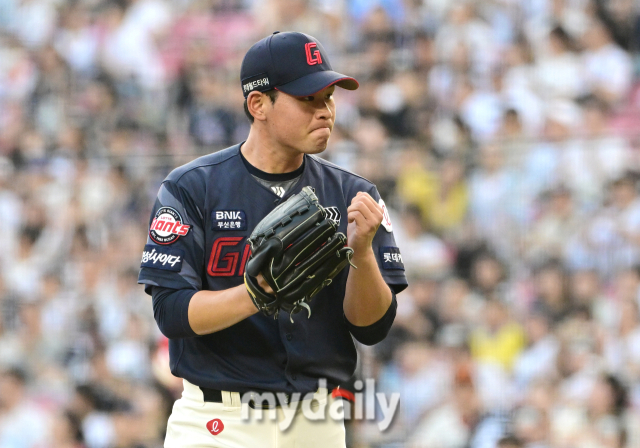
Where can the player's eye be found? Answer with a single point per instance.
(308, 98)
(329, 96)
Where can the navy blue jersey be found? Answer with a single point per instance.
(203, 215)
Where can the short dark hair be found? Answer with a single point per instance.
(272, 94)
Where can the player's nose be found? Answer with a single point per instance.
(324, 111)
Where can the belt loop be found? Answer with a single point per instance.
(231, 400)
(236, 400)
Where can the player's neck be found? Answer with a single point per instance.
(269, 157)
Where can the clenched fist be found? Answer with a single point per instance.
(365, 216)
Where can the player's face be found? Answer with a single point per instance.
(303, 123)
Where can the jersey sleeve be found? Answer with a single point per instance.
(173, 256)
(387, 252)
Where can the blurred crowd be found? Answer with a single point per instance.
(503, 134)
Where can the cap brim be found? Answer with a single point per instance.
(315, 82)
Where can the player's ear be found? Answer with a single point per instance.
(256, 102)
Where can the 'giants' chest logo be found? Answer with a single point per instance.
(228, 257)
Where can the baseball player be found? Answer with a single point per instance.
(194, 263)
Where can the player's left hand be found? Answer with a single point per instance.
(264, 285)
(365, 216)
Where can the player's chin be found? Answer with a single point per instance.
(317, 145)
(319, 148)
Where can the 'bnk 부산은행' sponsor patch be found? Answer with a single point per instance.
(228, 220)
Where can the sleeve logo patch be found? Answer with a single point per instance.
(167, 226)
(386, 220)
(228, 220)
(160, 257)
(391, 258)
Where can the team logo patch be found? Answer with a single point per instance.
(167, 226)
(313, 56)
(333, 213)
(160, 257)
(215, 426)
(391, 258)
(228, 220)
(386, 220)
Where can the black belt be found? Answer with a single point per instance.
(215, 396)
(211, 395)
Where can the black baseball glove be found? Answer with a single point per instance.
(298, 251)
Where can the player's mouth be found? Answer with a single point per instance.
(321, 128)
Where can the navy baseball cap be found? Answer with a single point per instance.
(294, 63)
